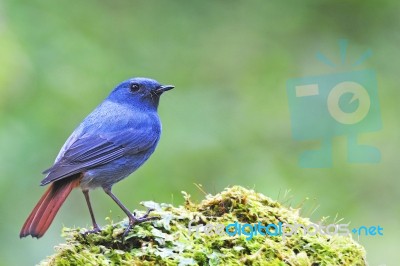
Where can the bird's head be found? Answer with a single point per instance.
(141, 92)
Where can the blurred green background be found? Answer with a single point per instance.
(227, 122)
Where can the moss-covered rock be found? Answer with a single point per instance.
(168, 241)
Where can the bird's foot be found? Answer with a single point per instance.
(133, 220)
(95, 230)
(144, 218)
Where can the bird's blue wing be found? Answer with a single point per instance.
(90, 151)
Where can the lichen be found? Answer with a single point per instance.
(168, 241)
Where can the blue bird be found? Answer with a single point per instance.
(111, 143)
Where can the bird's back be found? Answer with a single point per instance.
(112, 134)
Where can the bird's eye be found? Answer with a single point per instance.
(134, 87)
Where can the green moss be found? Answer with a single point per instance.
(167, 241)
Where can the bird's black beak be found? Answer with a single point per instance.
(164, 88)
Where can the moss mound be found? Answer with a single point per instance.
(168, 241)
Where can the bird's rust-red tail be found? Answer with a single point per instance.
(46, 209)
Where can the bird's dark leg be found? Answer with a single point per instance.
(132, 219)
(96, 228)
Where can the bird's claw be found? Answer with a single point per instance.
(144, 217)
(133, 220)
(95, 230)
